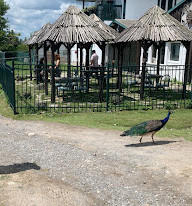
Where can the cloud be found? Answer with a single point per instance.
(27, 16)
(36, 4)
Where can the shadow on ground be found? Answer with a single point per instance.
(146, 144)
(18, 168)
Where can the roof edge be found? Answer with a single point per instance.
(177, 5)
(117, 22)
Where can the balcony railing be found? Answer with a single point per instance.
(109, 11)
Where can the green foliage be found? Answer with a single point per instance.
(22, 47)
(188, 105)
(170, 106)
(3, 21)
(9, 40)
(3, 7)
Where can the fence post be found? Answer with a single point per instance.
(107, 89)
(13, 82)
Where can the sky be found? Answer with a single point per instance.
(27, 16)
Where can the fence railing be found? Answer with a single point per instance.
(84, 89)
(7, 80)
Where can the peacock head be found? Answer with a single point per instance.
(170, 112)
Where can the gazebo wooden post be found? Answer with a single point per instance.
(81, 59)
(52, 73)
(159, 46)
(81, 63)
(120, 64)
(113, 61)
(30, 62)
(145, 46)
(114, 48)
(37, 61)
(69, 46)
(190, 62)
(45, 48)
(138, 55)
(102, 74)
(68, 62)
(186, 73)
(87, 47)
(77, 54)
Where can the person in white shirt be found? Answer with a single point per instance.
(94, 59)
(94, 64)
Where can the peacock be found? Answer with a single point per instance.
(148, 127)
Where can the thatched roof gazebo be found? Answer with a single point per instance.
(33, 41)
(75, 27)
(155, 27)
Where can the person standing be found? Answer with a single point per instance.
(94, 64)
(56, 67)
(94, 59)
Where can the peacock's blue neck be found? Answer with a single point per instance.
(164, 121)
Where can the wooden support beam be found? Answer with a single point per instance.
(120, 48)
(87, 61)
(52, 73)
(45, 48)
(81, 62)
(159, 46)
(30, 62)
(187, 68)
(102, 72)
(69, 47)
(37, 61)
(145, 45)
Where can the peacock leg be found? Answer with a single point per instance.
(141, 139)
(152, 138)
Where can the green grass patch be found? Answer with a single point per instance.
(179, 125)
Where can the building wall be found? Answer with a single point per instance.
(136, 8)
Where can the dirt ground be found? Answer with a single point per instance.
(49, 164)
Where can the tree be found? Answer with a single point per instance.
(3, 21)
(9, 40)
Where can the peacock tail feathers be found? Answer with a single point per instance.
(144, 127)
(136, 130)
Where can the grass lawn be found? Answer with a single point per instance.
(179, 124)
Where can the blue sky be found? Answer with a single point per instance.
(27, 16)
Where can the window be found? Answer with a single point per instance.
(163, 4)
(174, 53)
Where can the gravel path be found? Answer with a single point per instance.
(48, 164)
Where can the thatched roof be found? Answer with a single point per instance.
(74, 26)
(104, 26)
(38, 34)
(156, 25)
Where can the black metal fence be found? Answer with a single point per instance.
(84, 89)
(7, 80)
